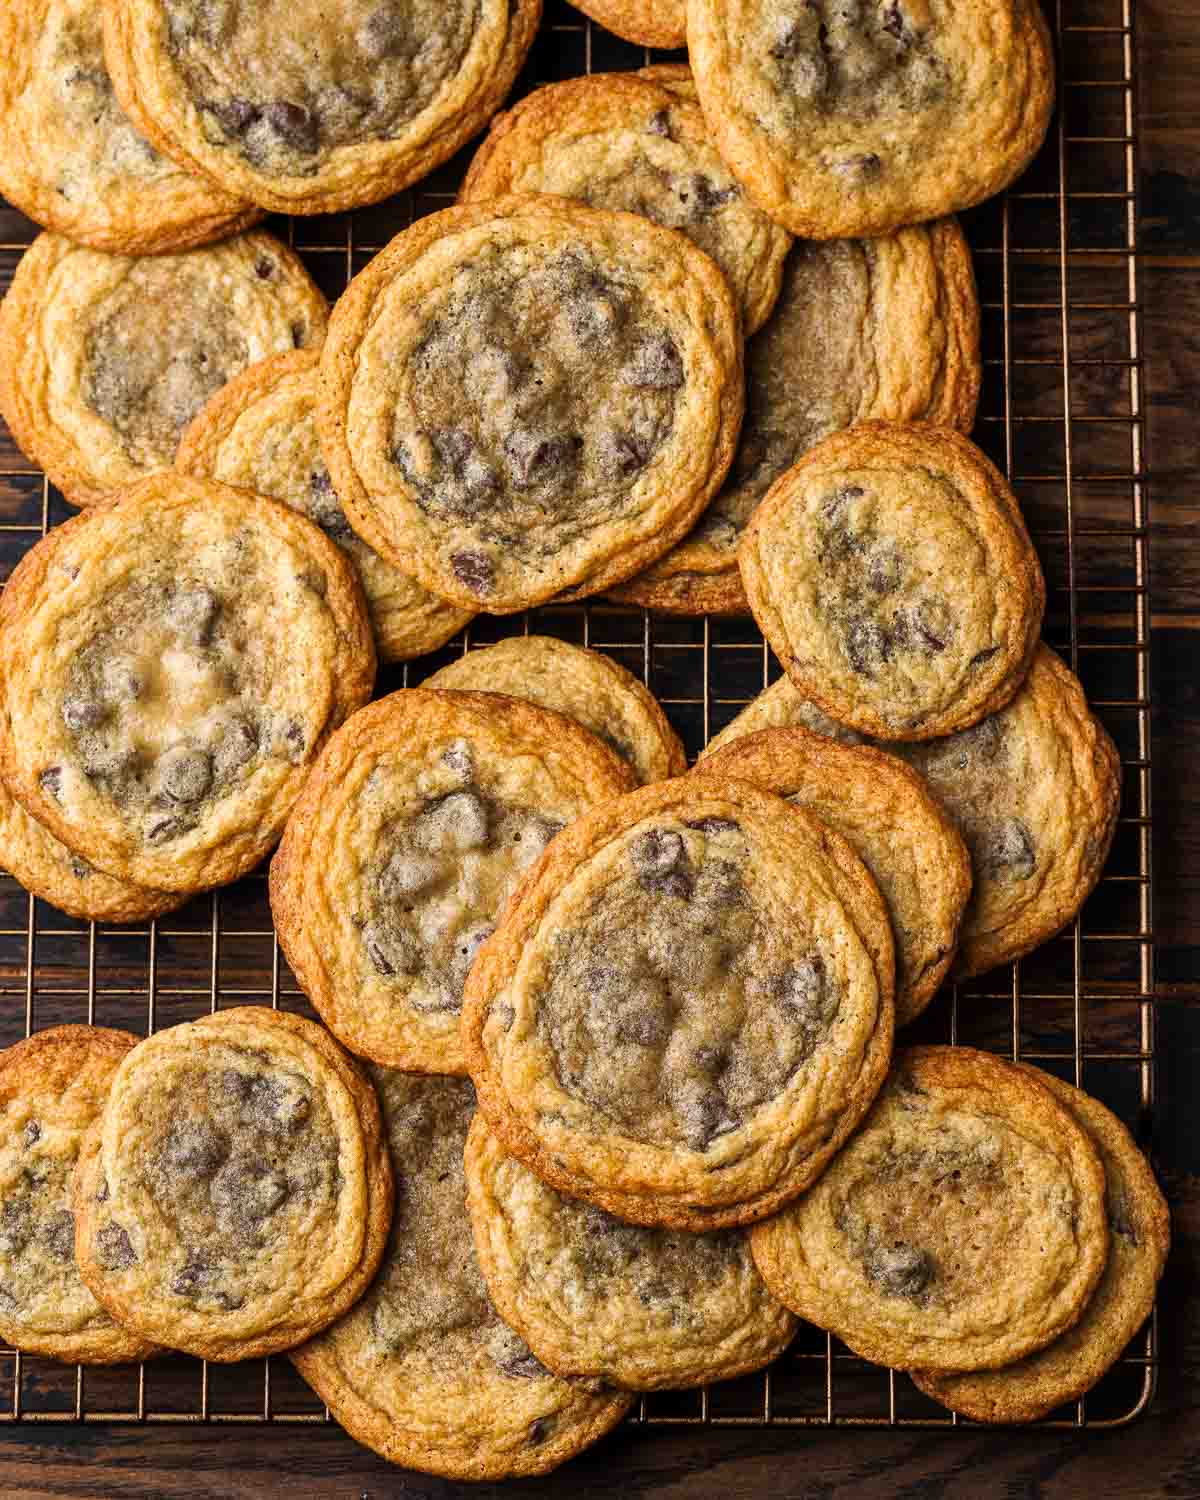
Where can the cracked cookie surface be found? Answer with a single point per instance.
(961, 1229)
(1139, 1225)
(529, 398)
(259, 433)
(70, 159)
(846, 117)
(647, 1309)
(413, 830)
(894, 825)
(687, 1007)
(105, 359)
(884, 329)
(53, 1086)
(617, 140)
(423, 1370)
(173, 665)
(891, 571)
(586, 686)
(308, 108)
(235, 1195)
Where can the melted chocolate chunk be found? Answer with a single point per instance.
(901, 1270)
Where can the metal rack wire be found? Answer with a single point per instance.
(1062, 414)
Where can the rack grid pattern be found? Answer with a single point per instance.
(1062, 414)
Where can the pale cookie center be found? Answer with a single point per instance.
(671, 1008)
(283, 81)
(432, 894)
(161, 343)
(160, 711)
(243, 1160)
(540, 393)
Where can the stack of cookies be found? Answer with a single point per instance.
(604, 1098)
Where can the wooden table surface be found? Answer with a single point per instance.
(1157, 1456)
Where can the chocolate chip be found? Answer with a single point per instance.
(656, 364)
(513, 1355)
(867, 646)
(80, 868)
(535, 456)
(194, 1149)
(162, 829)
(16, 1226)
(539, 1430)
(296, 126)
(866, 165)
(660, 123)
(50, 781)
(475, 571)
(658, 852)
(715, 825)
(1119, 1221)
(236, 747)
(79, 714)
(245, 1191)
(185, 774)
(459, 758)
(807, 992)
(623, 454)
(705, 195)
(234, 116)
(325, 508)
(901, 1270)
(195, 1274)
(299, 335)
(31, 1134)
(193, 613)
(458, 453)
(892, 21)
(294, 740)
(385, 34)
(58, 1235)
(705, 1117)
(981, 656)
(264, 269)
(524, 1367)
(114, 1247)
(391, 951)
(1007, 849)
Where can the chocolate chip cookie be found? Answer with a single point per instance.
(259, 432)
(1139, 1238)
(961, 1229)
(308, 108)
(172, 666)
(587, 686)
(892, 574)
(780, 706)
(235, 1195)
(884, 329)
(848, 117)
(647, 1309)
(49, 870)
(105, 359)
(687, 1007)
(617, 140)
(889, 817)
(52, 1087)
(413, 830)
(1035, 791)
(528, 398)
(70, 159)
(646, 23)
(422, 1370)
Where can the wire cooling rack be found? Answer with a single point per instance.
(1062, 414)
